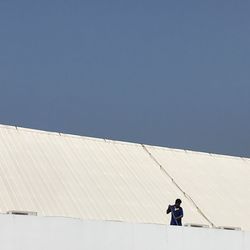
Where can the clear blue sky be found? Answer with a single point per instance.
(171, 73)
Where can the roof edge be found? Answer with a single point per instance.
(40, 131)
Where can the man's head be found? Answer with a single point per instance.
(178, 202)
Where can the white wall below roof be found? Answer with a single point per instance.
(52, 233)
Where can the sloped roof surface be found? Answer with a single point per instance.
(64, 175)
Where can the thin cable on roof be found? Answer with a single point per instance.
(175, 183)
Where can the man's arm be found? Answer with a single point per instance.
(178, 217)
(181, 214)
(169, 209)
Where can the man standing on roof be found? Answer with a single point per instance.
(176, 213)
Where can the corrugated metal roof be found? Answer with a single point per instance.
(64, 175)
(219, 185)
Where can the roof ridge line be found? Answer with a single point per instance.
(41, 131)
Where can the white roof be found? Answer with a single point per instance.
(56, 174)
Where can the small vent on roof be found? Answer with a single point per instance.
(15, 212)
(229, 228)
(196, 225)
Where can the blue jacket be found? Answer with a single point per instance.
(176, 215)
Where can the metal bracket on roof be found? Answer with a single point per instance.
(16, 212)
(229, 228)
(196, 225)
